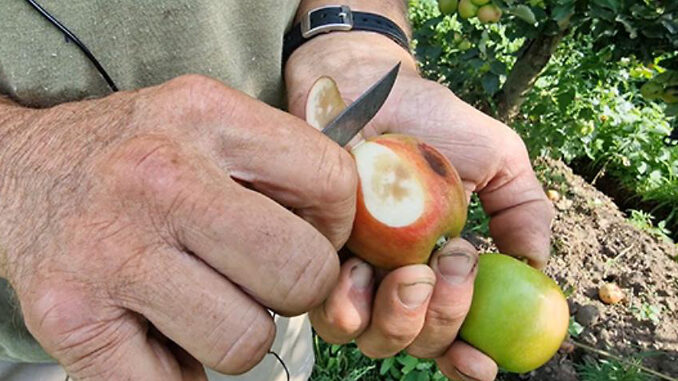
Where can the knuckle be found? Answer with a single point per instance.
(82, 339)
(316, 275)
(198, 94)
(448, 314)
(396, 334)
(144, 164)
(246, 350)
(343, 322)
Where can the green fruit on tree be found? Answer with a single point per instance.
(447, 7)
(480, 2)
(519, 316)
(467, 9)
(465, 45)
(489, 14)
(670, 95)
(652, 90)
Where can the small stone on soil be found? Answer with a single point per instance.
(588, 315)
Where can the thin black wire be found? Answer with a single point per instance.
(77, 41)
(277, 356)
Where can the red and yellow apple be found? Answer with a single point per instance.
(409, 197)
(519, 316)
(489, 13)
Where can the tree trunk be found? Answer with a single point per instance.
(536, 54)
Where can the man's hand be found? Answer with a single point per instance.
(148, 232)
(491, 160)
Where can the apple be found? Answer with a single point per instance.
(467, 9)
(610, 293)
(409, 197)
(489, 13)
(519, 316)
(480, 2)
(447, 7)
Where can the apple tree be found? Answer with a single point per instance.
(507, 43)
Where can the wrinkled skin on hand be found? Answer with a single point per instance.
(147, 232)
(491, 160)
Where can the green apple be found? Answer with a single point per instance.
(480, 2)
(489, 14)
(519, 316)
(447, 7)
(467, 9)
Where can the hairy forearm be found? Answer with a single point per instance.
(395, 10)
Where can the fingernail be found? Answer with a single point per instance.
(361, 276)
(455, 267)
(459, 376)
(414, 295)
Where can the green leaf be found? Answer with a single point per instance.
(490, 83)
(423, 376)
(561, 12)
(386, 365)
(575, 329)
(612, 5)
(408, 362)
(524, 13)
(411, 376)
(565, 98)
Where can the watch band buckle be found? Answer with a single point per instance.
(346, 24)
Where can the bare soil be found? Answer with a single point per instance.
(593, 243)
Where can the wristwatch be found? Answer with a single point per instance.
(340, 18)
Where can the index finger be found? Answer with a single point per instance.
(520, 214)
(280, 156)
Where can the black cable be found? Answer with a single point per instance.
(280, 360)
(277, 356)
(77, 41)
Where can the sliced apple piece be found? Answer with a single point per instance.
(324, 103)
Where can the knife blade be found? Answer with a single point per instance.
(354, 117)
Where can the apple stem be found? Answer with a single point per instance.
(622, 360)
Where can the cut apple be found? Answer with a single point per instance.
(409, 194)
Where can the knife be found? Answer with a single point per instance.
(354, 117)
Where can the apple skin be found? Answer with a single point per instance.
(447, 7)
(444, 213)
(467, 9)
(519, 316)
(480, 2)
(489, 14)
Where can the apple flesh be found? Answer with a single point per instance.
(519, 316)
(409, 196)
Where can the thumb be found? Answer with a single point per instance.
(455, 267)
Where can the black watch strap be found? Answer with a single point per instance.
(340, 18)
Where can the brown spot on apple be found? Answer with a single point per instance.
(389, 178)
(434, 159)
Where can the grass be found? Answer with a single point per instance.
(612, 370)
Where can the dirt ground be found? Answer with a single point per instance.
(593, 243)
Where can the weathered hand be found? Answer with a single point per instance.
(150, 229)
(491, 160)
